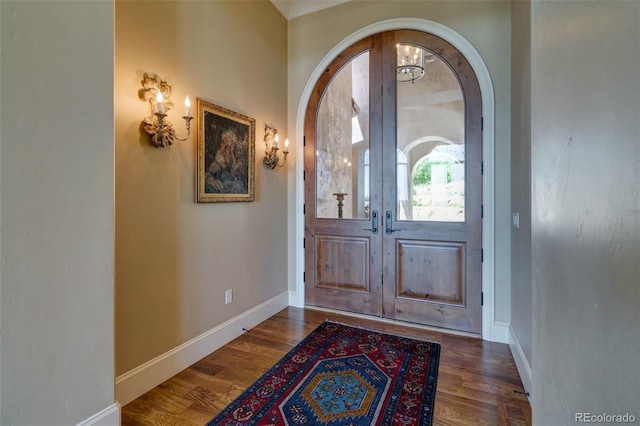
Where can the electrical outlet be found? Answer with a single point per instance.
(228, 296)
(516, 219)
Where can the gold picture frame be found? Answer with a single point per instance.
(226, 154)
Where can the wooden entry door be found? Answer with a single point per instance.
(393, 148)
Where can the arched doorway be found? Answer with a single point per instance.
(364, 250)
(436, 167)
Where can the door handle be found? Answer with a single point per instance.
(374, 222)
(389, 223)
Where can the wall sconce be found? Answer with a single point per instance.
(157, 93)
(271, 147)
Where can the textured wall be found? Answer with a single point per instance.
(586, 209)
(56, 274)
(175, 258)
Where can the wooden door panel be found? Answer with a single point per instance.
(432, 314)
(342, 255)
(342, 263)
(431, 271)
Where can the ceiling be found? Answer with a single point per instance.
(293, 8)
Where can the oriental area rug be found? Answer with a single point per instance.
(343, 376)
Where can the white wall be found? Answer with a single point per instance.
(521, 288)
(586, 209)
(56, 216)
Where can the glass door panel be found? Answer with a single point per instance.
(430, 154)
(342, 144)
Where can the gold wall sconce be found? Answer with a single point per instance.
(271, 140)
(158, 94)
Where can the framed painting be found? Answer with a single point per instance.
(226, 155)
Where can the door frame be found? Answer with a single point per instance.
(296, 298)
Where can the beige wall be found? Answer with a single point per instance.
(57, 219)
(486, 25)
(175, 258)
(585, 161)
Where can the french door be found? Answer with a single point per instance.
(393, 185)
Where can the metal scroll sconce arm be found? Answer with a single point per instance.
(161, 130)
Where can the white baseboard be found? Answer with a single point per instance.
(145, 377)
(501, 332)
(110, 416)
(523, 366)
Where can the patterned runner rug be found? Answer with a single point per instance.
(343, 376)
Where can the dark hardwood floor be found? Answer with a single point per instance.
(476, 379)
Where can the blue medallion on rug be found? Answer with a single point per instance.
(343, 376)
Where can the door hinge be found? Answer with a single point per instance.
(481, 255)
(304, 141)
(482, 299)
(482, 124)
(304, 208)
(304, 175)
(304, 277)
(482, 167)
(304, 243)
(481, 211)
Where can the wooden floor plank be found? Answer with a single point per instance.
(476, 380)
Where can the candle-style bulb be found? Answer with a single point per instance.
(187, 107)
(286, 145)
(159, 101)
(276, 138)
